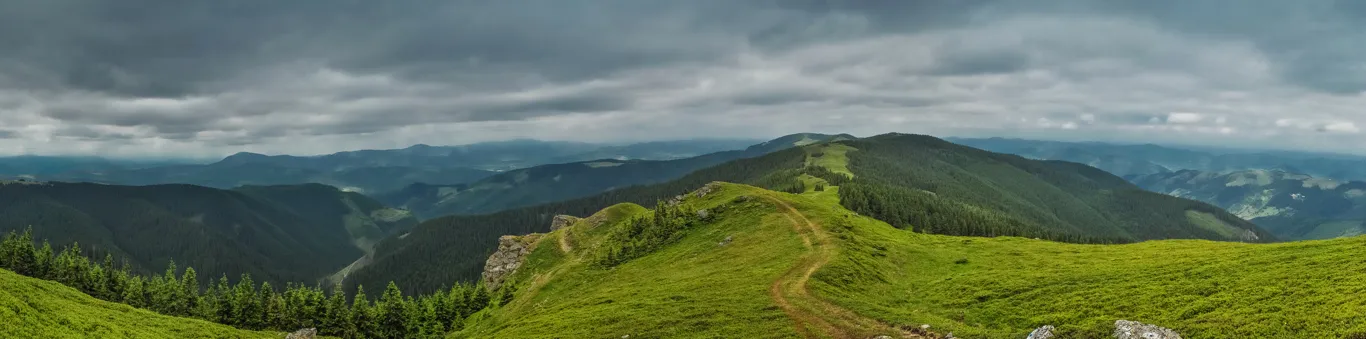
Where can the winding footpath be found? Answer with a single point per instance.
(815, 317)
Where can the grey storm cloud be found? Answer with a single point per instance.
(212, 77)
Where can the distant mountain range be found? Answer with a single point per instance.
(32, 166)
(1124, 160)
(564, 181)
(369, 171)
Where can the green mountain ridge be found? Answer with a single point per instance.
(368, 171)
(914, 182)
(558, 182)
(1127, 160)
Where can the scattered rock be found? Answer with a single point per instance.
(725, 241)
(922, 331)
(512, 251)
(307, 333)
(703, 214)
(1125, 329)
(1045, 332)
(707, 189)
(562, 221)
(883, 337)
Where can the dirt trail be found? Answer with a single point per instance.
(564, 243)
(815, 317)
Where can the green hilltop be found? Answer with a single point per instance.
(768, 264)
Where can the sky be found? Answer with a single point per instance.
(185, 78)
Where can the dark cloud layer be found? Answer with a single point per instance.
(196, 77)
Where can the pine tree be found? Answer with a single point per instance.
(336, 316)
(20, 253)
(269, 315)
(413, 319)
(171, 294)
(392, 313)
(442, 309)
(94, 283)
(363, 321)
(246, 307)
(133, 294)
(189, 292)
(225, 299)
(459, 304)
(43, 259)
(7, 251)
(206, 305)
(113, 279)
(479, 299)
(68, 269)
(275, 312)
(431, 327)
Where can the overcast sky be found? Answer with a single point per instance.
(212, 77)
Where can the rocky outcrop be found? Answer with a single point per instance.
(512, 251)
(707, 189)
(1045, 332)
(562, 221)
(700, 193)
(1125, 329)
(307, 333)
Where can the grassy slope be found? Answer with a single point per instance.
(694, 288)
(974, 287)
(831, 156)
(33, 308)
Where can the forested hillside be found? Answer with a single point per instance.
(939, 187)
(559, 182)
(364, 219)
(276, 234)
(916, 182)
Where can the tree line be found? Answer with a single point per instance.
(247, 305)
